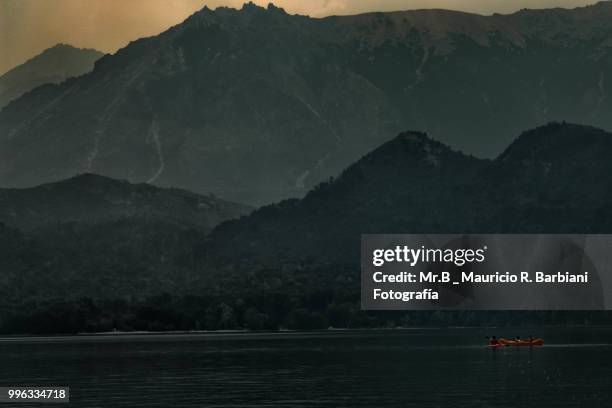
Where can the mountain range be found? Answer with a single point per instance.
(256, 105)
(52, 66)
(295, 263)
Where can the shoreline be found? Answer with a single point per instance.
(248, 333)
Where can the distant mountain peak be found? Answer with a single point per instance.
(60, 46)
(272, 7)
(66, 46)
(410, 155)
(63, 49)
(53, 65)
(251, 6)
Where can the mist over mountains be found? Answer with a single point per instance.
(255, 105)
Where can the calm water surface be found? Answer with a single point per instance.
(395, 368)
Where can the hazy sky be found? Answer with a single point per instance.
(29, 26)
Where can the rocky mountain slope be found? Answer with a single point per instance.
(255, 104)
(52, 66)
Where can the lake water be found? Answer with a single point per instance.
(395, 368)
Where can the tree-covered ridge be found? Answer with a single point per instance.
(90, 198)
(295, 264)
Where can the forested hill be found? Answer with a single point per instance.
(90, 199)
(295, 264)
(552, 179)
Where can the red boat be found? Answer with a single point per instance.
(531, 342)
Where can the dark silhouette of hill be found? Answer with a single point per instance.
(411, 183)
(95, 237)
(296, 263)
(256, 105)
(90, 199)
(552, 179)
(52, 66)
